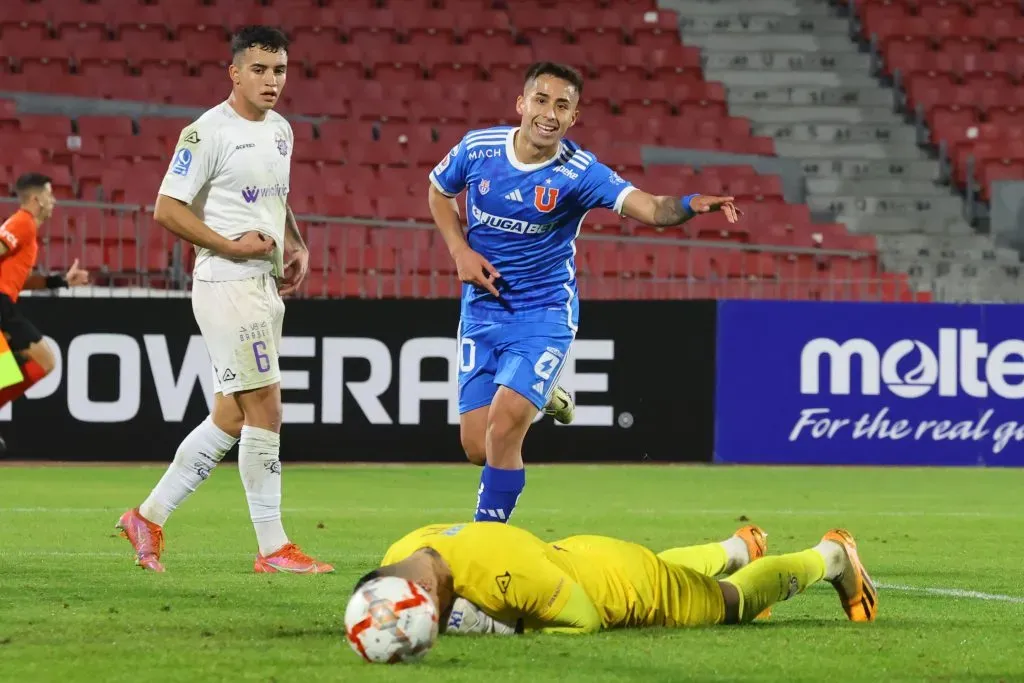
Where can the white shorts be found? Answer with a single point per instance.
(241, 322)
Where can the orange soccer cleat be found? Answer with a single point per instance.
(757, 547)
(146, 538)
(291, 560)
(756, 540)
(857, 592)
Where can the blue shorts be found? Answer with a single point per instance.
(526, 357)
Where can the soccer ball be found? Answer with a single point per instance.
(390, 620)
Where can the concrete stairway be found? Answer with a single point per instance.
(791, 67)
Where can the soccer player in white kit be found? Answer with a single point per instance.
(226, 192)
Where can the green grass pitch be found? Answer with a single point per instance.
(944, 544)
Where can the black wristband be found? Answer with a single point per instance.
(56, 281)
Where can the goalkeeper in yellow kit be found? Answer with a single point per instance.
(584, 584)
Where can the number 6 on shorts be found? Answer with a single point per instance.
(259, 349)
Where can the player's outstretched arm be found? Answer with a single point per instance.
(664, 211)
(175, 215)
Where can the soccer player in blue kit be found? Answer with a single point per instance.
(529, 190)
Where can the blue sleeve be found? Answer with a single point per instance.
(603, 188)
(449, 176)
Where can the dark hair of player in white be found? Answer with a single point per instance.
(258, 70)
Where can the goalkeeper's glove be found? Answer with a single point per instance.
(468, 618)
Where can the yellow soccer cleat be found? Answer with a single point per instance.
(561, 406)
(857, 592)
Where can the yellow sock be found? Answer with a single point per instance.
(710, 559)
(775, 578)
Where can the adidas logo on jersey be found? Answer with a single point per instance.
(514, 196)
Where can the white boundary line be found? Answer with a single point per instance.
(943, 592)
(953, 593)
(127, 554)
(344, 510)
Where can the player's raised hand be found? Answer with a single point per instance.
(707, 203)
(76, 276)
(474, 269)
(251, 245)
(295, 268)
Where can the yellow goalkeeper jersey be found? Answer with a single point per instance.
(578, 584)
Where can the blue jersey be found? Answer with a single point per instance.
(524, 219)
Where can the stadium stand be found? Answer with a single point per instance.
(383, 89)
(954, 66)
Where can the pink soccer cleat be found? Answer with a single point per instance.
(147, 539)
(291, 560)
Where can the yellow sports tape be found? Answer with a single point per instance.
(10, 371)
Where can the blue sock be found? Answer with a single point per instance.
(498, 494)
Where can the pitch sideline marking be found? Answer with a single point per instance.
(944, 592)
(953, 593)
(557, 511)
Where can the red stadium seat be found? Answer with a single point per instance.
(342, 131)
(507, 67)
(378, 154)
(136, 148)
(206, 45)
(314, 44)
(997, 11)
(574, 55)
(146, 22)
(951, 123)
(241, 14)
(200, 17)
(653, 30)
(619, 62)
(999, 169)
(485, 30)
(533, 24)
(756, 188)
(424, 33)
(370, 27)
(104, 126)
(399, 64)
(599, 27)
(48, 124)
(80, 20)
(29, 24)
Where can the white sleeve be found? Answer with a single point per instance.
(193, 164)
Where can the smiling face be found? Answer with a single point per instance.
(548, 107)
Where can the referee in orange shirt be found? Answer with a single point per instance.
(18, 251)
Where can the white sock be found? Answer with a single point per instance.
(736, 551)
(259, 464)
(195, 459)
(835, 559)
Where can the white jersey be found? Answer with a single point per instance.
(234, 175)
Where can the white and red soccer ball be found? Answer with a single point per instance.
(390, 620)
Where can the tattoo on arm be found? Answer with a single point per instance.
(669, 211)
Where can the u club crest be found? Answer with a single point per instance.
(485, 186)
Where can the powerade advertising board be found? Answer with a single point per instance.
(870, 384)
